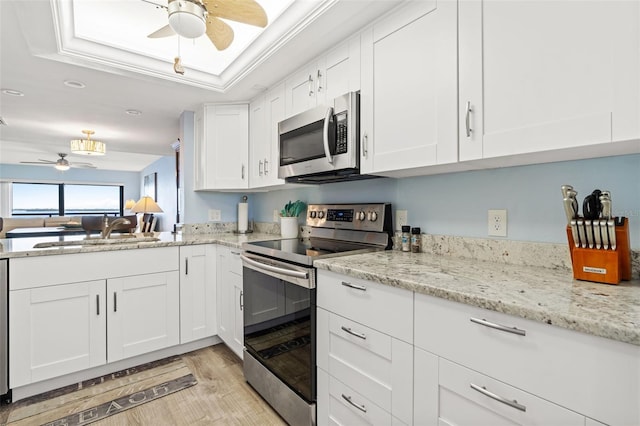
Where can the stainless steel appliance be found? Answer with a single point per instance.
(322, 144)
(279, 301)
(5, 394)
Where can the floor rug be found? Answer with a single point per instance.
(95, 399)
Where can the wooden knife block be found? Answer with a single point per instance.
(603, 266)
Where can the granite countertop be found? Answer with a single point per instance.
(23, 247)
(547, 295)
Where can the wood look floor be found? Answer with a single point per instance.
(221, 397)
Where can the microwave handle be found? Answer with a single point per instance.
(325, 135)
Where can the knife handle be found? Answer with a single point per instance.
(612, 233)
(574, 232)
(597, 235)
(581, 233)
(605, 234)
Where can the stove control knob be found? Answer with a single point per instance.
(320, 214)
(360, 215)
(373, 216)
(312, 214)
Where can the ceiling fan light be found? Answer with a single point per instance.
(187, 19)
(88, 147)
(62, 167)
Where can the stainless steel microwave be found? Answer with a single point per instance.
(322, 144)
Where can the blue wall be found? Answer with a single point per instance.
(130, 180)
(165, 167)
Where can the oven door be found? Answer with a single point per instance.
(279, 305)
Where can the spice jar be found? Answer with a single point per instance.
(416, 241)
(406, 238)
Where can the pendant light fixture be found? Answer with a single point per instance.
(88, 146)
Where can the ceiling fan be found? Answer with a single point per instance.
(61, 163)
(193, 18)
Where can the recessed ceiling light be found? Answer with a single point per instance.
(133, 112)
(74, 84)
(12, 92)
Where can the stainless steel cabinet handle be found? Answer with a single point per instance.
(365, 142)
(359, 407)
(310, 85)
(242, 172)
(357, 287)
(266, 169)
(500, 327)
(498, 398)
(241, 304)
(97, 304)
(318, 86)
(186, 266)
(467, 118)
(260, 168)
(325, 135)
(353, 333)
(115, 302)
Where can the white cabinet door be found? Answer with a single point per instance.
(275, 113)
(197, 292)
(300, 90)
(258, 142)
(230, 299)
(470, 398)
(56, 330)
(331, 75)
(409, 88)
(143, 313)
(425, 388)
(222, 148)
(538, 78)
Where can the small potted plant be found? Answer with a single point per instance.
(289, 218)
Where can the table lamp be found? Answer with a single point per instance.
(146, 205)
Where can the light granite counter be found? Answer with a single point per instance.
(547, 295)
(23, 247)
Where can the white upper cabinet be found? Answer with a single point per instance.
(222, 147)
(265, 112)
(409, 88)
(331, 75)
(547, 75)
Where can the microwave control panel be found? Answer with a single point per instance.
(341, 133)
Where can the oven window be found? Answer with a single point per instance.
(305, 143)
(279, 329)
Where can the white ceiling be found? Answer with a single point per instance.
(103, 44)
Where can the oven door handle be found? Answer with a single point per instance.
(325, 135)
(271, 268)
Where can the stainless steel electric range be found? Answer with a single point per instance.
(279, 298)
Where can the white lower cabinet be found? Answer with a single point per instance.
(92, 310)
(56, 330)
(143, 314)
(368, 372)
(230, 299)
(470, 398)
(198, 292)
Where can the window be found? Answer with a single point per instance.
(45, 199)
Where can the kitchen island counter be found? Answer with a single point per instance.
(23, 247)
(546, 295)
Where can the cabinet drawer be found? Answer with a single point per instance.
(575, 370)
(381, 307)
(338, 404)
(378, 366)
(470, 398)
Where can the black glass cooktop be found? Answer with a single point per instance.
(305, 250)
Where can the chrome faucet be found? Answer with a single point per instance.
(107, 227)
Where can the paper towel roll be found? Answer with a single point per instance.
(243, 217)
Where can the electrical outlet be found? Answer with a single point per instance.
(276, 215)
(401, 219)
(214, 215)
(497, 223)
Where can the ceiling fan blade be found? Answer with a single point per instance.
(83, 165)
(245, 11)
(38, 162)
(219, 32)
(165, 31)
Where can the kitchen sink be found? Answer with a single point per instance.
(129, 239)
